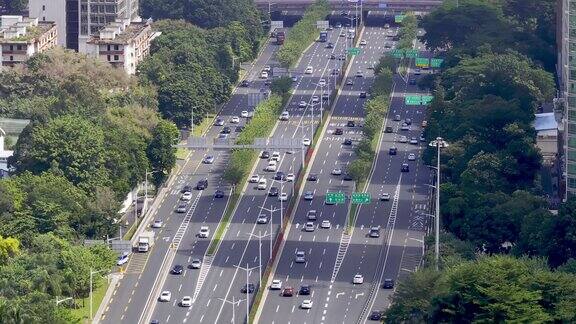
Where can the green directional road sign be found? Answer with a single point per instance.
(335, 198)
(435, 62)
(426, 99)
(399, 18)
(354, 51)
(398, 53)
(413, 100)
(422, 62)
(361, 198)
(412, 53)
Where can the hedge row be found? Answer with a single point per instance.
(303, 33)
(408, 32)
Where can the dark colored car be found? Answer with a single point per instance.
(312, 177)
(248, 288)
(392, 151)
(405, 167)
(219, 122)
(329, 45)
(305, 290)
(154, 321)
(363, 94)
(186, 188)
(239, 129)
(408, 121)
(178, 269)
(244, 83)
(348, 177)
(280, 176)
(388, 284)
(273, 192)
(350, 123)
(389, 129)
(412, 81)
(347, 141)
(219, 194)
(338, 131)
(226, 130)
(202, 184)
(265, 155)
(376, 316)
(288, 292)
(332, 56)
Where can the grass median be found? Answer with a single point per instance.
(83, 312)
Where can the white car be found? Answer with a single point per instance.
(244, 114)
(123, 258)
(306, 142)
(315, 99)
(187, 196)
(309, 70)
(302, 104)
(264, 75)
(405, 127)
(196, 263)
(385, 197)
(254, 178)
(403, 139)
(300, 257)
(272, 166)
(414, 141)
(309, 227)
(235, 120)
(157, 224)
(275, 156)
(165, 296)
(283, 197)
(349, 82)
(267, 68)
(276, 284)
(336, 171)
(290, 177)
(204, 231)
(186, 301)
(325, 224)
(208, 159)
(411, 157)
(363, 42)
(322, 82)
(285, 115)
(262, 219)
(358, 279)
(306, 304)
(262, 184)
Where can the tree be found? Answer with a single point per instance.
(281, 86)
(161, 152)
(9, 247)
(14, 7)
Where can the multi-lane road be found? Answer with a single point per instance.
(333, 258)
(143, 270)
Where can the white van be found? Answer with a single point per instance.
(262, 184)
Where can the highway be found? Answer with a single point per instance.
(143, 269)
(222, 280)
(322, 245)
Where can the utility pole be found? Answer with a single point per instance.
(271, 211)
(260, 236)
(247, 269)
(233, 302)
(438, 143)
(92, 273)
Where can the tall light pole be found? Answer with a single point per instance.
(92, 273)
(271, 211)
(233, 302)
(59, 301)
(247, 269)
(260, 237)
(192, 120)
(438, 143)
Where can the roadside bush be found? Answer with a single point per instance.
(303, 33)
(408, 32)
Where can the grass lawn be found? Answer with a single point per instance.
(181, 153)
(206, 122)
(84, 312)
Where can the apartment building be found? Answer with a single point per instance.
(122, 43)
(78, 20)
(22, 37)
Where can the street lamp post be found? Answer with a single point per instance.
(59, 301)
(192, 119)
(438, 143)
(233, 302)
(271, 211)
(247, 291)
(92, 273)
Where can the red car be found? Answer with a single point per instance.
(288, 292)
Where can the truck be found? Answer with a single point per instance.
(323, 36)
(280, 36)
(145, 241)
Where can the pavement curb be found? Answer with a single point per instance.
(300, 190)
(111, 287)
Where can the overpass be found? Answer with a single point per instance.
(367, 5)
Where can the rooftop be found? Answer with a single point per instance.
(18, 29)
(119, 33)
(545, 121)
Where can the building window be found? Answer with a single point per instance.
(43, 18)
(571, 183)
(11, 47)
(115, 47)
(19, 47)
(11, 58)
(108, 58)
(116, 58)
(43, 7)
